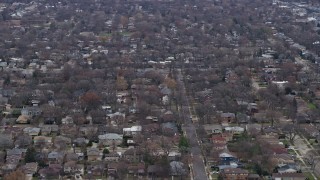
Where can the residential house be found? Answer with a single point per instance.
(151, 129)
(134, 130)
(254, 177)
(32, 131)
(72, 167)
(218, 139)
(288, 168)
(53, 171)
(279, 159)
(88, 131)
(94, 154)
(23, 119)
(136, 169)
(155, 171)
(169, 128)
(45, 130)
(67, 120)
(212, 128)
(112, 157)
(110, 139)
(31, 111)
(80, 141)
(56, 157)
(69, 130)
(13, 158)
(226, 118)
(152, 119)
(96, 169)
(133, 155)
(13, 131)
(234, 173)
(288, 176)
(252, 108)
(310, 130)
(112, 170)
(42, 141)
(71, 156)
(29, 169)
(174, 155)
(234, 130)
(61, 142)
(219, 142)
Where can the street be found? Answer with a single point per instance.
(189, 128)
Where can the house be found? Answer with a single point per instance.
(31, 131)
(212, 128)
(51, 172)
(55, 157)
(152, 119)
(45, 130)
(48, 129)
(174, 155)
(42, 141)
(288, 168)
(13, 159)
(13, 131)
(31, 111)
(112, 157)
(169, 128)
(110, 139)
(155, 171)
(69, 130)
(96, 168)
(252, 108)
(166, 91)
(72, 167)
(94, 154)
(279, 159)
(227, 118)
(254, 177)
(30, 169)
(165, 100)
(136, 169)
(310, 130)
(134, 130)
(218, 139)
(67, 120)
(16, 152)
(112, 169)
(23, 119)
(234, 173)
(60, 142)
(234, 130)
(133, 155)
(88, 130)
(288, 176)
(80, 141)
(151, 128)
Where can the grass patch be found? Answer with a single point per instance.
(312, 106)
(308, 175)
(292, 152)
(215, 176)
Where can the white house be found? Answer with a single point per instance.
(110, 139)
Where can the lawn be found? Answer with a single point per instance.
(214, 176)
(308, 175)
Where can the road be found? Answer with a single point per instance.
(189, 128)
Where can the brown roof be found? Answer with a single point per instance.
(300, 175)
